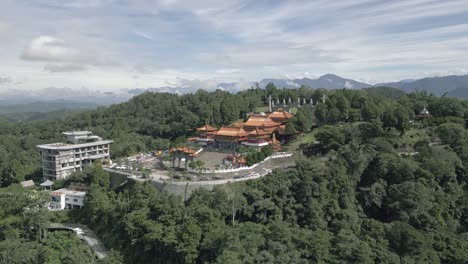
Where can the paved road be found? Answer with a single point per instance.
(87, 236)
(161, 175)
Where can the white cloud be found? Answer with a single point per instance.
(79, 3)
(224, 41)
(458, 71)
(64, 68)
(300, 75)
(348, 85)
(227, 71)
(144, 35)
(52, 49)
(192, 85)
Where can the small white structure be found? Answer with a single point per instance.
(66, 199)
(424, 112)
(27, 184)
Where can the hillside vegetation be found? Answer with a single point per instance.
(45, 106)
(355, 196)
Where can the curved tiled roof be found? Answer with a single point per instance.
(188, 151)
(280, 114)
(206, 128)
(241, 160)
(231, 131)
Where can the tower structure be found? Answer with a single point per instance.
(269, 104)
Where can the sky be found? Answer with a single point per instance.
(112, 45)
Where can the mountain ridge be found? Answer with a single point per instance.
(451, 85)
(46, 106)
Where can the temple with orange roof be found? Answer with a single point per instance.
(206, 134)
(257, 132)
(230, 136)
(182, 153)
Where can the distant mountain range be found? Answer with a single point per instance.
(52, 98)
(46, 106)
(327, 81)
(453, 85)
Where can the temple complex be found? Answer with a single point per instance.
(257, 132)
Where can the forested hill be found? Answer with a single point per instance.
(374, 186)
(61, 114)
(45, 106)
(389, 92)
(151, 120)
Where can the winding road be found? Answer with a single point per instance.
(84, 233)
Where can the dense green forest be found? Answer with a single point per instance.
(150, 121)
(40, 116)
(376, 187)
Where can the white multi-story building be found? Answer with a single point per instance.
(66, 199)
(59, 160)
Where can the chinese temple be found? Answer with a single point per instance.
(206, 134)
(257, 132)
(230, 136)
(423, 114)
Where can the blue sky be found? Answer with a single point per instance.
(116, 44)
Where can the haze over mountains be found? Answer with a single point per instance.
(453, 85)
(53, 98)
(327, 81)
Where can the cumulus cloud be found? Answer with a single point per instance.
(203, 40)
(52, 68)
(52, 49)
